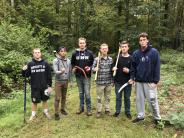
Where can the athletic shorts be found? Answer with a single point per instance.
(38, 95)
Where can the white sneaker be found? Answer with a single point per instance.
(32, 118)
(47, 115)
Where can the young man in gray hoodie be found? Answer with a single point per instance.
(62, 69)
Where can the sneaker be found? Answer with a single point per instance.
(80, 111)
(137, 120)
(129, 116)
(157, 121)
(57, 117)
(116, 114)
(47, 115)
(32, 118)
(64, 112)
(107, 112)
(98, 114)
(89, 113)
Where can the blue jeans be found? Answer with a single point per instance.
(127, 94)
(84, 92)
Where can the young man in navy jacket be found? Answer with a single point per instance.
(82, 61)
(146, 74)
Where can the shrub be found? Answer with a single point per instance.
(16, 45)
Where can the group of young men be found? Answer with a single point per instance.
(142, 68)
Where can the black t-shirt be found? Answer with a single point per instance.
(120, 76)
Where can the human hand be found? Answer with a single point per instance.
(62, 70)
(74, 70)
(131, 81)
(49, 89)
(87, 68)
(125, 70)
(25, 67)
(114, 68)
(95, 69)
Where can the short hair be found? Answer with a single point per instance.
(82, 38)
(60, 48)
(104, 44)
(143, 34)
(124, 42)
(36, 49)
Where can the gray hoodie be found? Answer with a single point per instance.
(58, 64)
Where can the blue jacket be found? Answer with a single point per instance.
(146, 65)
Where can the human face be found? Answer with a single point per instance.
(82, 44)
(104, 50)
(37, 54)
(124, 48)
(143, 41)
(62, 53)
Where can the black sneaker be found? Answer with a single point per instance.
(129, 116)
(137, 120)
(157, 121)
(64, 112)
(107, 112)
(80, 111)
(116, 114)
(57, 117)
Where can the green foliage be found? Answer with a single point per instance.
(177, 119)
(16, 46)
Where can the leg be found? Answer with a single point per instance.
(127, 94)
(57, 97)
(153, 101)
(118, 98)
(45, 105)
(107, 95)
(34, 108)
(63, 95)
(36, 98)
(140, 100)
(81, 92)
(87, 86)
(99, 93)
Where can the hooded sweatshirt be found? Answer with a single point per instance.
(146, 65)
(58, 64)
(82, 59)
(39, 73)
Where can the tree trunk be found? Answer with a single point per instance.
(57, 2)
(13, 3)
(178, 24)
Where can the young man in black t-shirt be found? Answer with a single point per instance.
(122, 76)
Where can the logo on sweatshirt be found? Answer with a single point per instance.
(38, 68)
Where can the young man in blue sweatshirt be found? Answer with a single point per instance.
(146, 74)
(82, 61)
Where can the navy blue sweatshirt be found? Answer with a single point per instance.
(82, 59)
(39, 73)
(146, 65)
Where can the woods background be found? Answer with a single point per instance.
(49, 23)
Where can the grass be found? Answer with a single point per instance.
(73, 125)
(81, 126)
